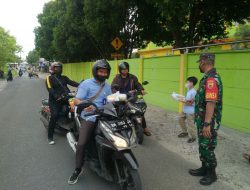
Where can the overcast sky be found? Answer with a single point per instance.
(19, 18)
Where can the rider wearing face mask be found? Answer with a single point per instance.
(186, 119)
(96, 90)
(57, 87)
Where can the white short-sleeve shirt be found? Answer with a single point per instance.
(190, 96)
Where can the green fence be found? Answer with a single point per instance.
(234, 68)
(168, 74)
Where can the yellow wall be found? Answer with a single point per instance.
(157, 52)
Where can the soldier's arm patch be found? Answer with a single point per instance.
(211, 91)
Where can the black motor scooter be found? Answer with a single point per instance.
(109, 152)
(66, 120)
(9, 76)
(136, 110)
(20, 73)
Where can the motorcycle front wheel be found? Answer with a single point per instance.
(130, 178)
(139, 132)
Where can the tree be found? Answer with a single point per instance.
(62, 34)
(108, 19)
(189, 23)
(71, 40)
(82, 30)
(33, 57)
(44, 33)
(102, 24)
(8, 48)
(243, 32)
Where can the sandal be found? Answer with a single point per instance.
(247, 157)
(191, 140)
(147, 132)
(182, 135)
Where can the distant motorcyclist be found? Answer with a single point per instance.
(57, 87)
(20, 73)
(126, 83)
(9, 77)
(1, 74)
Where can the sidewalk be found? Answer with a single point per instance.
(232, 168)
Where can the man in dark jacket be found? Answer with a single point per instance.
(125, 83)
(57, 87)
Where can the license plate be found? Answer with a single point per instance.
(120, 125)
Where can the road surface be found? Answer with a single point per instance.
(27, 162)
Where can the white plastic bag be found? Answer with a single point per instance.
(117, 97)
(178, 97)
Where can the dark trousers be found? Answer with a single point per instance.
(55, 108)
(85, 133)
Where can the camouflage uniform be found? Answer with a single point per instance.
(210, 89)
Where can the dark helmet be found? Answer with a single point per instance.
(56, 65)
(100, 64)
(123, 65)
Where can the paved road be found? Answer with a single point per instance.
(27, 162)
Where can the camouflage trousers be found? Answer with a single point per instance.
(207, 147)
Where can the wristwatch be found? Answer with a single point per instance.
(206, 124)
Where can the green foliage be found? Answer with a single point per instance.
(189, 23)
(44, 33)
(243, 32)
(8, 48)
(62, 35)
(82, 30)
(33, 57)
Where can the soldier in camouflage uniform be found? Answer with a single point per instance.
(208, 110)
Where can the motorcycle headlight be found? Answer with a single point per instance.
(119, 142)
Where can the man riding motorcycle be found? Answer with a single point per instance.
(9, 76)
(20, 73)
(57, 87)
(127, 83)
(95, 90)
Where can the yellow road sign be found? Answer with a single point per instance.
(117, 43)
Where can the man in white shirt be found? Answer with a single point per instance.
(186, 118)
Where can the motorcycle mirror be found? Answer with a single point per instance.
(84, 104)
(145, 82)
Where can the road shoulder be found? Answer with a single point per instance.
(232, 168)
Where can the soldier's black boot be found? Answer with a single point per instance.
(198, 172)
(209, 178)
